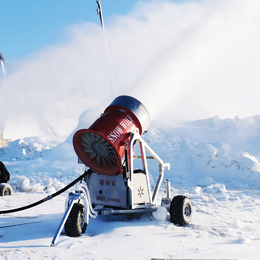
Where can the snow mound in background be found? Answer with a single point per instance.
(193, 162)
(36, 166)
(22, 183)
(21, 150)
(207, 159)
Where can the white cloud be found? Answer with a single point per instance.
(185, 61)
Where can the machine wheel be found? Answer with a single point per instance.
(5, 189)
(180, 210)
(75, 225)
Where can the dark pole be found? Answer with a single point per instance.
(2, 59)
(99, 12)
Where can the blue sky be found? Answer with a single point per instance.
(27, 25)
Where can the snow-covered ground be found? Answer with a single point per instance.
(215, 171)
(195, 66)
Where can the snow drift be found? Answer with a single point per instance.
(195, 67)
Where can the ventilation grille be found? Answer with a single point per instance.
(100, 153)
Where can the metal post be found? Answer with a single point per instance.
(73, 197)
(168, 188)
(100, 14)
(2, 59)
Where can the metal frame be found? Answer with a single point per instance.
(143, 148)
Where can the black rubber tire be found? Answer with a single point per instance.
(180, 210)
(75, 225)
(5, 190)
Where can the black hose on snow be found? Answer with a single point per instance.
(48, 197)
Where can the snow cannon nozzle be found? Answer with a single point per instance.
(102, 146)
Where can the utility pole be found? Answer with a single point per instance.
(100, 14)
(2, 59)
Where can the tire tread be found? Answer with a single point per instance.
(176, 210)
(72, 225)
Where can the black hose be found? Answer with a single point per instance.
(48, 197)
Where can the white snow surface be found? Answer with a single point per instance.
(220, 175)
(195, 66)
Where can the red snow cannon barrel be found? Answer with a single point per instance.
(101, 147)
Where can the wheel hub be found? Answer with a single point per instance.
(187, 211)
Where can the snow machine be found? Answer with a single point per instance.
(118, 182)
(5, 189)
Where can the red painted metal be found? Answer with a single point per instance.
(102, 146)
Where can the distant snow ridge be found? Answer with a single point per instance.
(217, 160)
(202, 164)
(36, 184)
(211, 160)
(20, 150)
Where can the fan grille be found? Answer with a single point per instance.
(100, 153)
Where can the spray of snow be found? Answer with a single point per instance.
(198, 60)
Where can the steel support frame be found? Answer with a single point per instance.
(143, 148)
(81, 193)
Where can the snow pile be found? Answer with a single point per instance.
(21, 150)
(32, 184)
(160, 214)
(207, 159)
(191, 160)
(48, 167)
(38, 164)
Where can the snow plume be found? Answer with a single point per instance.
(52, 88)
(208, 61)
(187, 60)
